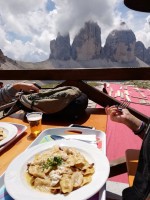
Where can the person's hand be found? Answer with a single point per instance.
(117, 115)
(123, 116)
(27, 87)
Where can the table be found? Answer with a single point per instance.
(94, 117)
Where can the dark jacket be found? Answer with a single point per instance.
(141, 185)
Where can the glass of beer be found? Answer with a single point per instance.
(35, 122)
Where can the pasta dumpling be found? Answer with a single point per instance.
(59, 170)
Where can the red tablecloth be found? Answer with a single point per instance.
(119, 137)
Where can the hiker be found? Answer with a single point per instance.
(141, 185)
(1, 85)
(8, 92)
(104, 89)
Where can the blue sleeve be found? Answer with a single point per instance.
(7, 93)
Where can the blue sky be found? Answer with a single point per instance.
(27, 27)
(50, 5)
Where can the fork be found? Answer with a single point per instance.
(124, 104)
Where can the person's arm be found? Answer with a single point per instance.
(27, 87)
(125, 117)
(8, 92)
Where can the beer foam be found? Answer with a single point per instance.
(34, 117)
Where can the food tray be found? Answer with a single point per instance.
(66, 130)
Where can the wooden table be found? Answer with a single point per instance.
(94, 117)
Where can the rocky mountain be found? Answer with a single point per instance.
(120, 46)
(60, 48)
(142, 53)
(2, 57)
(86, 51)
(87, 44)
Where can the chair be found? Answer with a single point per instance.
(125, 164)
(132, 156)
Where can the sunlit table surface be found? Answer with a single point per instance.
(93, 117)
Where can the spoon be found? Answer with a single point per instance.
(58, 137)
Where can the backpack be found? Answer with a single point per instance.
(68, 101)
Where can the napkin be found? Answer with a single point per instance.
(81, 137)
(89, 137)
(4, 194)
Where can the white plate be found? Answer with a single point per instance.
(18, 188)
(20, 130)
(10, 131)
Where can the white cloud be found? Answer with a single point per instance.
(139, 23)
(144, 34)
(3, 39)
(21, 6)
(72, 14)
(24, 20)
(32, 26)
(28, 51)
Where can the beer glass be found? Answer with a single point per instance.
(35, 122)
